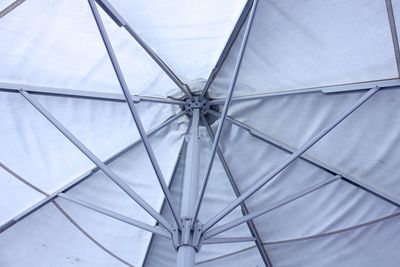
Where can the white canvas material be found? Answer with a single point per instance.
(304, 63)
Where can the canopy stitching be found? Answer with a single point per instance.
(15, 175)
(63, 212)
(91, 238)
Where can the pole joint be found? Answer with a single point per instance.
(189, 235)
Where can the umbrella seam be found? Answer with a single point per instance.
(355, 227)
(15, 175)
(91, 238)
(66, 215)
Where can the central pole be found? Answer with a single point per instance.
(190, 188)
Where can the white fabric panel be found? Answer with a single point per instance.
(396, 13)
(102, 126)
(261, 159)
(336, 206)
(134, 168)
(46, 238)
(34, 148)
(58, 44)
(374, 245)
(246, 257)
(15, 196)
(39, 153)
(161, 253)
(188, 35)
(141, 73)
(365, 145)
(295, 45)
(5, 3)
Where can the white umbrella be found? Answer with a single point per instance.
(240, 133)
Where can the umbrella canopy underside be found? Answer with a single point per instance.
(294, 67)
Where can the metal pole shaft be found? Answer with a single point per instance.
(98, 162)
(186, 253)
(225, 109)
(249, 192)
(133, 110)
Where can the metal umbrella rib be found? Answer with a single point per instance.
(98, 162)
(249, 192)
(268, 208)
(133, 111)
(113, 13)
(114, 215)
(225, 110)
(234, 34)
(245, 211)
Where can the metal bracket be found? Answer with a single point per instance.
(187, 236)
(201, 103)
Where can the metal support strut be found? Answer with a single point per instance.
(186, 240)
(134, 112)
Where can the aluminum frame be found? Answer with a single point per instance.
(270, 207)
(117, 216)
(114, 15)
(245, 211)
(346, 176)
(180, 155)
(132, 108)
(342, 88)
(115, 178)
(249, 192)
(10, 7)
(189, 190)
(186, 251)
(234, 34)
(225, 110)
(71, 93)
(85, 176)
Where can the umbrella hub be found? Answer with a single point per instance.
(198, 102)
(204, 105)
